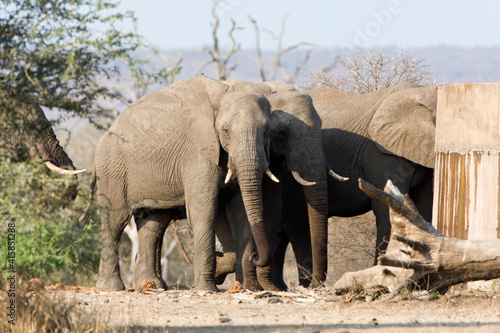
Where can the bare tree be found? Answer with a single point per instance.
(363, 72)
(280, 52)
(216, 57)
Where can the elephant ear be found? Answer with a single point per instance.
(404, 124)
(200, 99)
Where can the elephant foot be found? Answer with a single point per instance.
(220, 277)
(316, 284)
(110, 282)
(226, 264)
(208, 286)
(281, 285)
(269, 286)
(252, 285)
(137, 278)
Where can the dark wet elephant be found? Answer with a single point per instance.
(387, 134)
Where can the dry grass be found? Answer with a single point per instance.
(38, 311)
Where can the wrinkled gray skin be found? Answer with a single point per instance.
(164, 153)
(295, 145)
(388, 134)
(37, 142)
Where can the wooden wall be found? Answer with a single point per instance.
(467, 172)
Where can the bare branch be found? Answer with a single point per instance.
(258, 58)
(276, 63)
(364, 72)
(221, 61)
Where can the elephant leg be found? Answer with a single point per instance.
(422, 195)
(113, 223)
(272, 214)
(383, 223)
(296, 226)
(250, 280)
(303, 256)
(282, 242)
(201, 206)
(226, 263)
(151, 227)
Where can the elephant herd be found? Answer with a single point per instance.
(259, 165)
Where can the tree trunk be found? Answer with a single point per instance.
(420, 257)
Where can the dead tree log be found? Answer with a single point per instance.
(418, 256)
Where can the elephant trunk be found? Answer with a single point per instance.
(317, 208)
(250, 169)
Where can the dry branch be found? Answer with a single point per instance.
(280, 52)
(418, 256)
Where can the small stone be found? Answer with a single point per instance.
(274, 300)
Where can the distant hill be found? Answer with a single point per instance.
(449, 64)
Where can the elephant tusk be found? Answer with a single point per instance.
(228, 176)
(62, 171)
(337, 177)
(273, 177)
(301, 180)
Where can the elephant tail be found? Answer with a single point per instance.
(82, 221)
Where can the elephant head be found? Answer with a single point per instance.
(36, 141)
(44, 145)
(240, 118)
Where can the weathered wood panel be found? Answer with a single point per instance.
(466, 178)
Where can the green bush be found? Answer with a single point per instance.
(48, 243)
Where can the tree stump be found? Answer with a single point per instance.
(418, 256)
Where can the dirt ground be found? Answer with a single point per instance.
(299, 310)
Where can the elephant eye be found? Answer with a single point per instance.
(281, 135)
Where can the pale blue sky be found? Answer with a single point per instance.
(185, 24)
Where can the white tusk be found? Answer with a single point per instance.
(228, 176)
(62, 171)
(273, 177)
(301, 180)
(337, 177)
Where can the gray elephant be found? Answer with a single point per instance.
(173, 149)
(295, 150)
(387, 134)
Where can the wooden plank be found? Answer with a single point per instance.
(467, 172)
(468, 117)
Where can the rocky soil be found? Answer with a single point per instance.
(299, 310)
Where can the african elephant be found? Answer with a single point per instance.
(173, 149)
(295, 150)
(386, 134)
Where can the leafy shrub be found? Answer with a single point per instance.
(48, 243)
